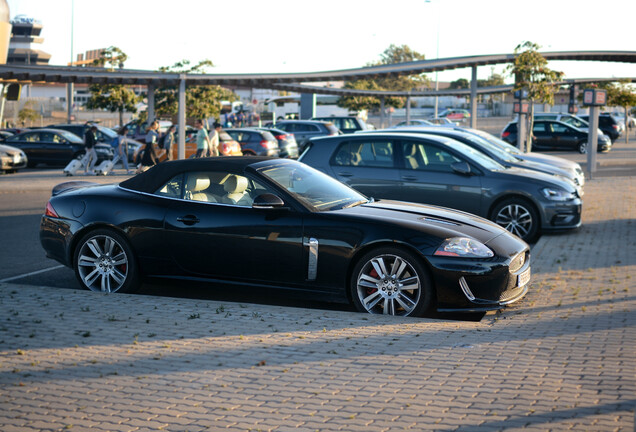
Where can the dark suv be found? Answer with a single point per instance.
(346, 124)
(608, 124)
(304, 130)
(255, 142)
(556, 135)
(104, 135)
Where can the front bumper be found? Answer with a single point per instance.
(13, 161)
(561, 215)
(479, 285)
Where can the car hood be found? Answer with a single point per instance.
(9, 149)
(550, 160)
(539, 178)
(439, 221)
(545, 168)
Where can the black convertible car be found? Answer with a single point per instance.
(279, 223)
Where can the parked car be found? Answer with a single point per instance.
(436, 170)
(228, 146)
(277, 223)
(573, 168)
(54, 147)
(255, 142)
(346, 124)
(103, 135)
(137, 129)
(11, 159)
(455, 114)
(556, 135)
(608, 124)
(414, 122)
(493, 151)
(443, 121)
(304, 130)
(287, 144)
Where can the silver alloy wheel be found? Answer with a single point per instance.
(388, 284)
(583, 147)
(102, 264)
(516, 219)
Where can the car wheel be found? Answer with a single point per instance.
(517, 216)
(582, 147)
(391, 281)
(104, 262)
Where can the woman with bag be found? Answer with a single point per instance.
(122, 149)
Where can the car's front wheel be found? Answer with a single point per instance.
(582, 147)
(517, 216)
(104, 262)
(391, 281)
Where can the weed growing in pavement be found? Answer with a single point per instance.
(220, 309)
(194, 316)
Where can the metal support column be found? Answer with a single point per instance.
(151, 103)
(181, 117)
(69, 102)
(408, 109)
(473, 98)
(307, 106)
(592, 141)
(382, 112)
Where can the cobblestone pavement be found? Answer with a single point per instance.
(564, 358)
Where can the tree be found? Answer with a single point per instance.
(393, 54)
(202, 102)
(113, 97)
(461, 83)
(532, 74)
(27, 113)
(621, 94)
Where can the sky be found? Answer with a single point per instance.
(256, 36)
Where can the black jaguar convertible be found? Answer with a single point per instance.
(280, 224)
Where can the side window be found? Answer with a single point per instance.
(559, 128)
(539, 127)
(427, 157)
(32, 137)
(172, 188)
(46, 137)
(365, 154)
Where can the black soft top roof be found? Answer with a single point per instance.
(156, 176)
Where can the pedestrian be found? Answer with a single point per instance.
(90, 158)
(214, 140)
(203, 140)
(168, 140)
(152, 132)
(148, 158)
(122, 149)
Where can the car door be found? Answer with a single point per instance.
(428, 177)
(542, 135)
(212, 237)
(58, 150)
(566, 137)
(30, 144)
(368, 165)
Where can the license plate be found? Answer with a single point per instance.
(523, 278)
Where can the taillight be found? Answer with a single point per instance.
(505, 134)
(615, 127)
(225, 148)
(50, 211)
(264, 144)
(280, 137)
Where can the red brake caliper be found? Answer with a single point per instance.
(373, 274)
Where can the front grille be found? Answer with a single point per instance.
(517, 262)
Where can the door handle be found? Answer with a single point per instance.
(409, 178)
(188, 220)
(345, 174)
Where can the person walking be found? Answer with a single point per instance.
(203, 140)
(214, 140)
(122, 149)
(90, 158)
(168, 140)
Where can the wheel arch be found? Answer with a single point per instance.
(93, 227)
(387, 243)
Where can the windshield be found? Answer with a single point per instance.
(475, 155)
(312, 187)
(71, 137)
(108, 132)
(497, 142)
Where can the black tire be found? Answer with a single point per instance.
(582, 147)
(517, 216)
(104, 262)
(391, 281)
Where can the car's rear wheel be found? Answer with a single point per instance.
(104, 262)
(517, 216)
(582, 147)
(391, 281)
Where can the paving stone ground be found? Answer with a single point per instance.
(563, 358)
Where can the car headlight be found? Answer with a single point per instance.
(555, 194)
(464, 247)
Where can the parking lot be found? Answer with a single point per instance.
(563, 358)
